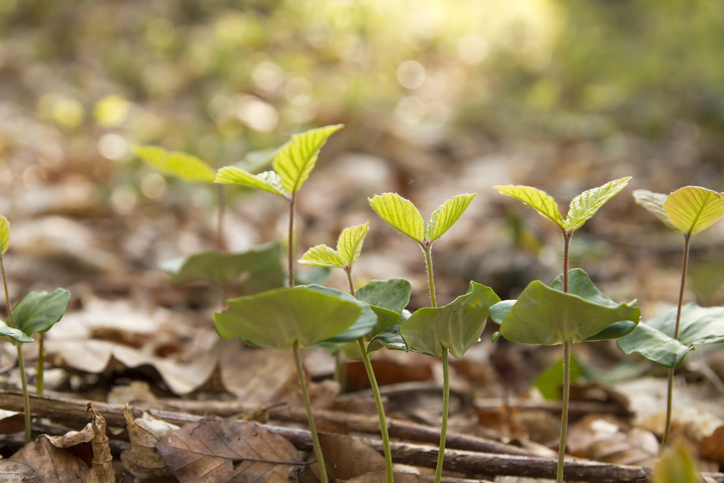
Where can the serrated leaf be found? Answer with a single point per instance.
(538, 199)
(546, 316)
(39, 311)
(655, 340)
(4, 235)
(445, 217)
(322, 256)
(400, 213)
(654, 203)
(267, 181)
(349, 244)
(692, 209)
(308, 315)
(15, 334)
(585, 205)
(456, 326)
(181, 165)
(296, 159)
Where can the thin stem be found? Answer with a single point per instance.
(445, 409)
(291, 241)
(40, 367)
(21, 361)
(670, 391)
(220, 210)
(567, 235)
(310, 416)
(564, 412)
(430, 279)
(348, 271)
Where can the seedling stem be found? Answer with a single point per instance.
(427, 248)
(40, 366)
(291, 241)
(567, 235)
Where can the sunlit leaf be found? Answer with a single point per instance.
(349, 244)
(15, 334)
(322, 256)
(39, 311)
(400, 213)
(456, 326)
(296, 159)
(585, 205)
(445, 217)
(267, 181)
(4, 234)
(654, 203)
(655, 339)
(546, 316)
(540, 200)
(306, 314)
(181, 165)
(692, 209)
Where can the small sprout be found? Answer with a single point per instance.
(349, 246)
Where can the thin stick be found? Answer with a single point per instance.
(310, 415)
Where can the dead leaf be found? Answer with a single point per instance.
(143, 459)
(102, 459)
(54, 464)
(137, 391)
(16, 472)
(11, 422)
(381, 477)
(217, 450)
(338, 448)
(606, 438)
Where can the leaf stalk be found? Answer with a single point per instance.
(310, 416)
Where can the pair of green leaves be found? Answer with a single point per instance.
(580, 210)
(292, 165)
(689, 210)
(37, 312)
(546, 315)
(349, 247)
(402, 215)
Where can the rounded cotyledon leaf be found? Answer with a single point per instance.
(585, 205)
(15, 334)
(654, 203)
(388, 299)
(296, 159)
(538, 199)
(308, 315)
(445, 217)
(456, 326)
(399, 213)
(268, 180)
(181, 165)
(4, 234)
(692, 208)
(38, 311)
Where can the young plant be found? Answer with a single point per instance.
(550, 314)
(437, 331)
(37, 312)
(670, 335)
(382, 296)
(290, 317)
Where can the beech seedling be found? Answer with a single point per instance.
(670, 335)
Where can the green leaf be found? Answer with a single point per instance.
(393, 294)
(296, 159)
(579, 283)
(500, 311)
(677, 464)
(390, 337)
(267, 181)
(4, 235)
(445, 217)
(549, 380)
(312, 276)
(655, 340)
(349, 244)
(400, 213)
(585, 205)
(546, 316)
(308, 315)
(692, 209)
(15, 334)
(39, 311)
(540, 200)
(181, 165)
(654, 203)
(456, 326)
(223, 267)
(322, 256)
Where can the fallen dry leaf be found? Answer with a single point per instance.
(102, 459)
(54, 464)
(217, 450)
(143, 459)
(337, 449)
(381, 477)
(606, 438)
(16, 472)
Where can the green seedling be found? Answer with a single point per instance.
(667, 338)
(548, 314)
(392, 297)
(37, 312)
(291, 167)
(437, 331)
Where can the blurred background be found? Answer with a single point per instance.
(438, 98)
